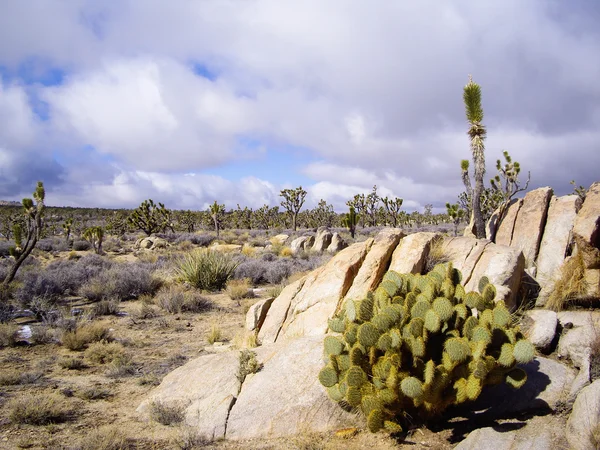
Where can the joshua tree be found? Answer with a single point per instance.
(216, 212)
(67, 227)
(350, 221)
(293, 199)
(392, 210)
(95, 235)
(456, 214)
(359, 203)
(31, 231)
(474, 112)
(371, 206)
(150, 218)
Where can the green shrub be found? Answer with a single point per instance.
(206, 269)
(413, 347)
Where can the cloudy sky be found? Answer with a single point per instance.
(185, 102)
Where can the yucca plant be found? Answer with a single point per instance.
(206, 269)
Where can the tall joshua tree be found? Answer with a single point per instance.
(217, 212)
(31, 231)
(474, 111)
(293, 199)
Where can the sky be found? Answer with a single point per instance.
(187, 102)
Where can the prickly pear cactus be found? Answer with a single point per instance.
(416, 346)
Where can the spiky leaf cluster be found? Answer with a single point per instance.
(418, 344)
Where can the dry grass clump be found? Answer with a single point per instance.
(246, 339)
(8, 334)
(108, 437)
(190, 439)
(248, 250)
(437, 254)
(121, 367)
(571, 285)
(175, 300)
(94, 393)
(39, 409)
(18, 377)
(275, 290)
(214, 334)
(70, 363)
(106, 308)
(286, 252)
(238, 289)
(104, 352)
(167, 413)
(84, 335)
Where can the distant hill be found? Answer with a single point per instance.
(9, 203)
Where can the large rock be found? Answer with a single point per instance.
(587, 222)
(285, 397)
(530, 223)
(491, 228)
(537, 434)
(548, 385)
(504, 268)
(542, 329)
(583, 426)
(411, 253)
(322, 239)
(279, 239)
(323, 292)
(302, 243)
(207, 386)
(557, 235)
(337, 243)
(375, 264)
(278, 312)
(504, 232)
(257, 313)
(464, 252)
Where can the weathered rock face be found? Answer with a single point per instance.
(337, 243)
(151, 243)
(557, 235)
(584, 422)
(285, 397)
(375, 264)
(302, 243)
(278, 312)
(465, 253)
(208, 402)
(280, 239)
(504, 233)
(322, 293)
(530, 222)
(542, 330)
(257, 313)
(587, 222)
(504, 267)
(411, 253)
(322, 240)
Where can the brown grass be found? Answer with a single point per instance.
(104, 352)
(109, 437)
(167, 413)
(8, 334)
(39, 409)
(85, 335)
(238, 289)
(570, 286)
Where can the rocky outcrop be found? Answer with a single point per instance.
(583, 426)
(337, 243)
(530, 223)
(151, 243)
(464, 252)
(302, 244)
(541, 329)
(257, 313)
(504, 233)
(557, 236)
(411, 253)
(322, 240)
(279, 239)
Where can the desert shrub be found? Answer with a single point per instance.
(106, 308)
(189, 439)
(273, 270)
(121, 367)
(9, 334)
(248, 364)
(171, 299)
(414, 347)
(285, 252)
(81, 246)
(252, 269)
(144, 311)
(18, 377)
(571, 284)
(95, 392)
(104, 352)
(38, 409)
(70, 363)
(206, 269)
(167, 413)
(109, 437)
(203, 240)
(84, 335)
(238, 289)
(41, 334)
(275, 290)
(196, 303)
(121, 281)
